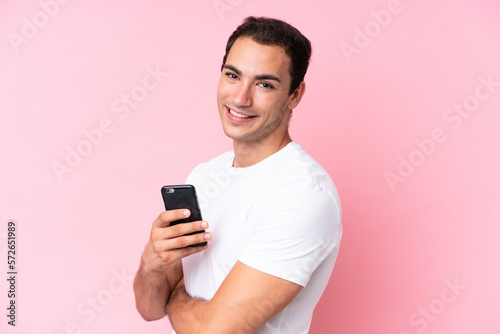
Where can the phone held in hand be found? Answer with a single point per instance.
(183, 197)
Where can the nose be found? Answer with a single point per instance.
(242, 95)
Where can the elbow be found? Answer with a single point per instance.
(149, 315)
(148, 318)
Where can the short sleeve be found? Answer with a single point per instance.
(293, 231)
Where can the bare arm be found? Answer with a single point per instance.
(245, 301)
(161, 267)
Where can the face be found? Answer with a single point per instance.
(252, 95)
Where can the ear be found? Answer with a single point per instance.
(294, 99)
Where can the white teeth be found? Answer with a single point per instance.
(234, 113)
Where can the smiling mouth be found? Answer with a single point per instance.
(237, 114)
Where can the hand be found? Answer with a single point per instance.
(161, 266)
(168, 244)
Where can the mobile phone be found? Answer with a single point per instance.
(183, 197)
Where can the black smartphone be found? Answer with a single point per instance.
(183, 197)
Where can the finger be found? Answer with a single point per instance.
(166, 217)
(166, 245)
(169, 232)
(177, 254)
(183, 229)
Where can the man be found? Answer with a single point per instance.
(274, 212)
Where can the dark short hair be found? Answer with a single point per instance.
(267, 31)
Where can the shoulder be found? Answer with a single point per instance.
(299, 176)
(296, 222)
(222, 161)
(299, 190)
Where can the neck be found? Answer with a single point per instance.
(249, 153)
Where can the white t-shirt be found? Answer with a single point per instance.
(281, 216)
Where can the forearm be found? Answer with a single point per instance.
(152, 290)
(245, 301)
(161, 262)
(187, 314)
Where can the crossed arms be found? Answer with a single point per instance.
(246, 299)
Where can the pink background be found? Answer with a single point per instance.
(405, 243)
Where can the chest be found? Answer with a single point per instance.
(231, 215)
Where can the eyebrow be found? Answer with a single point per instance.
(257, 77)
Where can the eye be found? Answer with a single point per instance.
(266, 85)
(231, 75)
